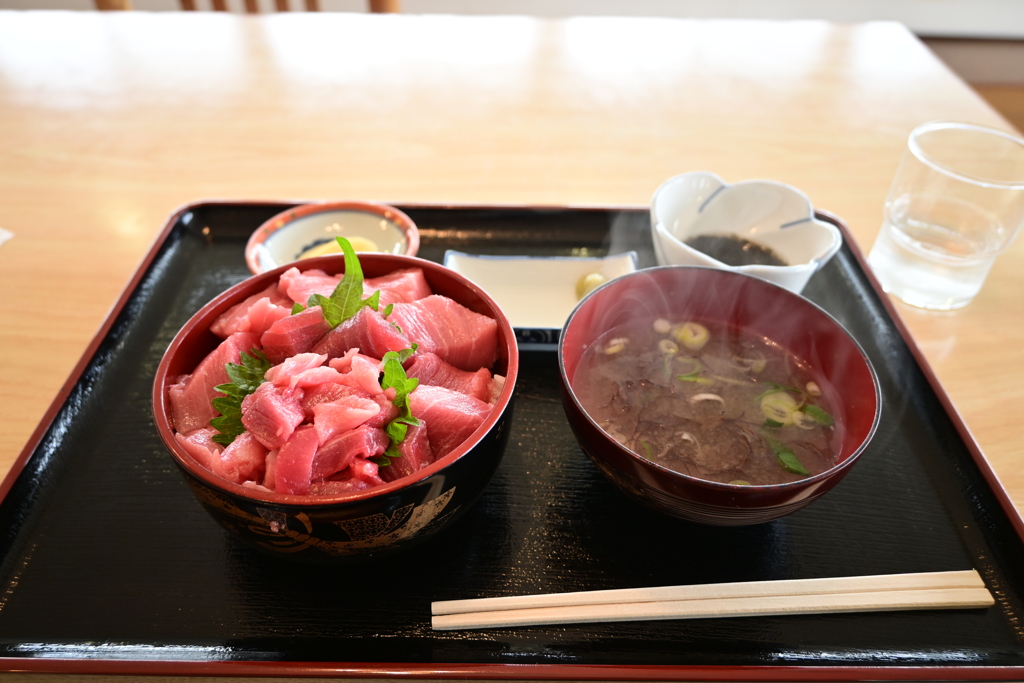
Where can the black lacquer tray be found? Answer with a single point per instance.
(109, 564)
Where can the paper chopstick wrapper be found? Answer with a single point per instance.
(932, 590)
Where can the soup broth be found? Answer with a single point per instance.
(711, 402)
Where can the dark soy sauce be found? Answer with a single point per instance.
(733, 250)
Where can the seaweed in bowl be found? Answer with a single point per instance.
(341, 408)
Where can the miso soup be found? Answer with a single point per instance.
(711, 402)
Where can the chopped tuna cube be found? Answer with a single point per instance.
(366, 330)
(294, 466)
(324, 393)
(191, 396)
(464, 338)
(404, 285)
(243, 460)
(452, 416)
(342, 414)
(363, 373)
(271, 415)
(388, 410)
(281, 375)
(269, 478)
(430, 369)
(200, 445)
(295, 334)
(255, 314)
(416, 454)
(346, 449)
(366, 470)
(299, 286)
(338, 487)
(240, 462)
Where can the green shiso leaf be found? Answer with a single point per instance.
(347, 298)
(395, 377)
(245, 379)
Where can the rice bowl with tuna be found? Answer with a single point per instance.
(318, 388)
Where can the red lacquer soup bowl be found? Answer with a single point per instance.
(355, 526)
(726, 301)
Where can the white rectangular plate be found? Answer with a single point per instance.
(536, 293)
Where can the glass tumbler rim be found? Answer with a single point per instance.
(915, 147)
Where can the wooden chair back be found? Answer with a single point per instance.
(251, 6)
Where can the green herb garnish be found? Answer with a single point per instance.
(648, 453)
(694, 377)
(395, 377)
(774, 424)
(787, 458)
(817, 414)
(347, 298)
(245, 379)
(790, 463)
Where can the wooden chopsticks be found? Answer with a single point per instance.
(929, 590)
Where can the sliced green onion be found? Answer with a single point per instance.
(779, 406)
(817, 414)
(647, 450)
(616, 345)
(691, 335)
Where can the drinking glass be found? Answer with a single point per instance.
(956, 203)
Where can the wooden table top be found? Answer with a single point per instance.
(110, 121)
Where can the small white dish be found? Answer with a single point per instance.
(769, 213)
(537, 293)
(309, 230)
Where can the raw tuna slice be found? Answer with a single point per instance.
(388, 410)
(269, 478)
(404, 285)
(464, 338)
(497, 384)
(338, 487)
(324, 393)
(363, 373)
(452, 416)
(430, 369)
(201, 446)
(345, 449)
(299, 286)
(365, 470)
(243, 460)
(263, 314)
(342, 415)
(271, 415)
(191, 396)
(294, 466)
(416, 454)
(255, 314)
(281, 375)
(366, 330)
(295, 334)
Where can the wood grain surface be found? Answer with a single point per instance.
(110, 121)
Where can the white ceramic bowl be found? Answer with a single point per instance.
(771, 214)
(309, 230)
